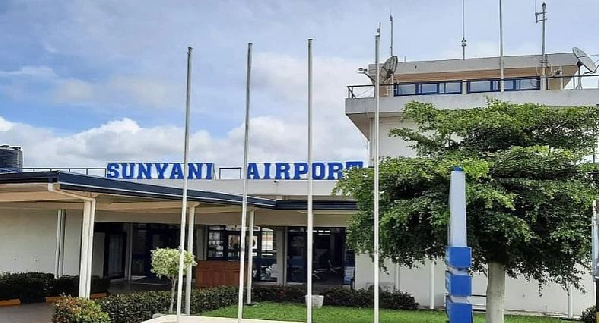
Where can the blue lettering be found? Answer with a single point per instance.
(160, 169)
(112, 170)
(131, 170)
(145, 170)
(195, 171)
(282, 169)
(176, 171)
(267, 171)
(335, 170)
(300, 169)
(209, 170)
(352, 164)
(253, 171)
(321, 172)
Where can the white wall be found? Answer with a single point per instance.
(29, 241)
(520, 294)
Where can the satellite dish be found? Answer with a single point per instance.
(388, 69)
(583, 59)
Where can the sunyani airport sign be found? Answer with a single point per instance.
(277, 171)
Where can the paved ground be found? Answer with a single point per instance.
(26, 313)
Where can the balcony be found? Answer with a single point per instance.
(560, 91)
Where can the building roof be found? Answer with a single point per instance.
(21, 183)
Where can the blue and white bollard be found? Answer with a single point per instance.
(458, 254)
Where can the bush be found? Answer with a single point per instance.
(33, 287)
(28, 287)
(334, 297)
(589, 315)
(78, 310)
(137, 307)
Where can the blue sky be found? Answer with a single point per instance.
(85, 82)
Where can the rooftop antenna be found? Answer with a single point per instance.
(391, 34)
(463, 42)
(544, 60)
(583, 60)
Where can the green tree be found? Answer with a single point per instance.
(529, 191)
(165, 262)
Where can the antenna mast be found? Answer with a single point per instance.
(391, 35)
(544, 61)
(463, 43)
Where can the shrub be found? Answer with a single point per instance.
(33, 287)
(137, 307)
(589, 315)
(271, 293)
(78, 310)
(165, 262)
(28, 287)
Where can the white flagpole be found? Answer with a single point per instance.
(309, 202)
(186, 148)
(245, 193)
(376, 189)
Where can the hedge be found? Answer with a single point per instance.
(137, 307)
(140, 306)
(72, 309)
(34, 287)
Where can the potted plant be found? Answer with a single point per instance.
(165, 262)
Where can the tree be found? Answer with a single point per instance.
(165, 262)
(529, 192)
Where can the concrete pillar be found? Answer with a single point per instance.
(60, 244)
(83, 263)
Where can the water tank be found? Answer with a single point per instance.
(11, 159)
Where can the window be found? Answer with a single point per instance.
(428, 88)
(405, 89)
(451, 87)
(483, 86)
(528, 84)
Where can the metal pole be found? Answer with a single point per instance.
(186, 148)
(245, 193)
(190, 248)
(391, 35)
(58, 251)
(376, 188)
(501, 48)
(250, 259)
(463, 43)
(544, 61)
(309, 202)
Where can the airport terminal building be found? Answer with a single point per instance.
(52, 219)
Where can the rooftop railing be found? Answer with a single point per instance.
(220, 173)
(468, 86)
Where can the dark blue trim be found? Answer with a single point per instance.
(96, 184)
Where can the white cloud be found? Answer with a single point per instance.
(73, 90)
(30, 71)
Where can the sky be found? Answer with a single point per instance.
(83, 83)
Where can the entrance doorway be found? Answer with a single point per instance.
(329, 255)
(147, 237)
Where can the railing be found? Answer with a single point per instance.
(468, 86)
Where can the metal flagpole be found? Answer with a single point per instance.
(250, 259)
(309, 203)
(376, 188)
(186, 148)
(190, 248)
(501, 48)
(463, 42)
(245, 193)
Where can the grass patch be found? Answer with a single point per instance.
(297, 313)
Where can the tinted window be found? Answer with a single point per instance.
(429, 88)
(528, 84)
(453, 87)
(480, 86)
(405, 89)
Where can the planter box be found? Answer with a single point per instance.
(10, 302)
(52, 299)
(98, 295)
